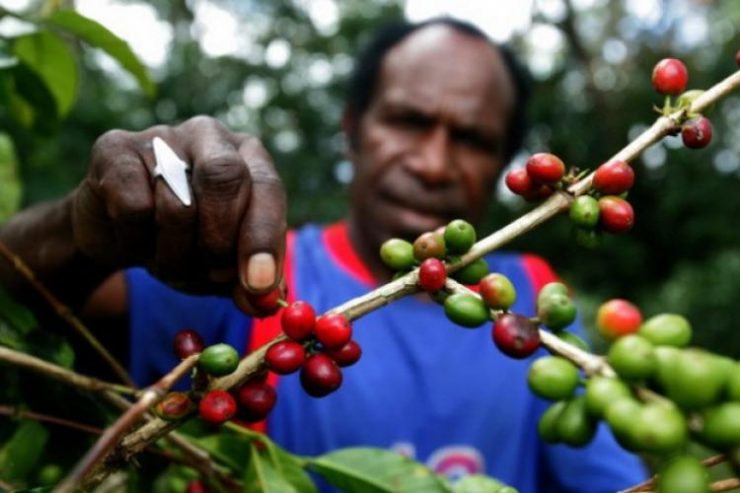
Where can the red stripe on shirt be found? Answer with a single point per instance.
(540, 272)
(335, 238)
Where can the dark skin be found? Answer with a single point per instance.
(428, 149)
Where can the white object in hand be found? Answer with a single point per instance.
(172, 169)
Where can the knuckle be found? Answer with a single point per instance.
(220, 174)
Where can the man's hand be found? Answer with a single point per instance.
(230, 240)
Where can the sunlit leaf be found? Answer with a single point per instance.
(228, 449)
(477, 483)
(99, 36)
(10, 183)
(370, 470)
(262, 476)
(49, 57)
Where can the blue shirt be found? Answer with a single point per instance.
(439, 393)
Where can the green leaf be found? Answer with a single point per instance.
(228, 449)
(261, 475)
(99, 36)
(20, 454)
(370, 470)
(51, 347)
(18, 316)
(10, 183)
(477, 483)
(49, 57)
(291, 468)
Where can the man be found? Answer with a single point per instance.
(433, 117)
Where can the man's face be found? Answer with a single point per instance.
(431, 144)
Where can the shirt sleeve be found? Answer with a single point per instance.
(157, 312)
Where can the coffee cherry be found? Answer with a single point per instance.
(256, 400)
(320, 375)
(545, 168)
(459, 236)
(613, 178)
(219, 359)
(196, 486)
(659, 428)
(515, 335)
(667, 329)
(620, 415)
(584, 211)
(695, 379)
(547, 425)
(696, 132)
(173, 406)
(551, 288)
(670, 76)
(397, 254)
(540, 192)
(217, 406)
(186, 343)
(333, 330)
(722, 426)
(346, 355)
(683, 474)
(615, 214)
(285, 357)
(472, 273)
(497, 291)
(733, 383)
(556, 311)
(617, 317)
(575, 427)
(737, 58)
(632, 357)
(466, 310)
(298, 320)
(429, 245)
(553, 378)
(601, 391)
(268, 303)
(519, 182)
(432, 275)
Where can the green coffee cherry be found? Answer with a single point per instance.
(551, 288)
(722, 426)
(659, 428)
(733, 383)
(602, 391)
(219, 359)
(459, 236)
(584, 211)
(466, 310)
(556, 311)
(547, 425)
(472, 273)
(575, 426)
(683, 474)
(695, 379)
(553, 378)
(620, 416)
(632, 357)
(497, 291)
(397, 254)
(667, 329)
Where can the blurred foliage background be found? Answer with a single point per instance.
(281, 78)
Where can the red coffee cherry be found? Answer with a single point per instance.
(285, 357)
(256, 400)
(196, 486)
(618, 317)
(268, 303)
(432, 275)
(615, 214)
(613, 178)
(545, 168)
(346, 355)
(516, 335)
(216, 407)
(670, 76)
(519, 181)
(333, 330)
(298, 320)
(696, 132)
(320, 375)
(429, 244)
(187, 342)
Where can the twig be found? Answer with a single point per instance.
(407, 284)
(726, 484)
(64, 312)
(22, 414)
(113, 433)
(59, 373)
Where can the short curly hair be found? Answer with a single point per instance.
(364, 78)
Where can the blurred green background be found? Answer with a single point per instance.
(277, 69)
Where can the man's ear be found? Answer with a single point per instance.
(349, 128)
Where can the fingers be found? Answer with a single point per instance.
(263, 227)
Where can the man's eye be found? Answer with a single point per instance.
(477, 141)
(412, 121)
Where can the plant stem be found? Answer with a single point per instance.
(23, 414)
(59, 373)
(113, 433)
(64, 312)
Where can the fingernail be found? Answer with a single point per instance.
(260, 271)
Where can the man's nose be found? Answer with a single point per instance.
(434, 163)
